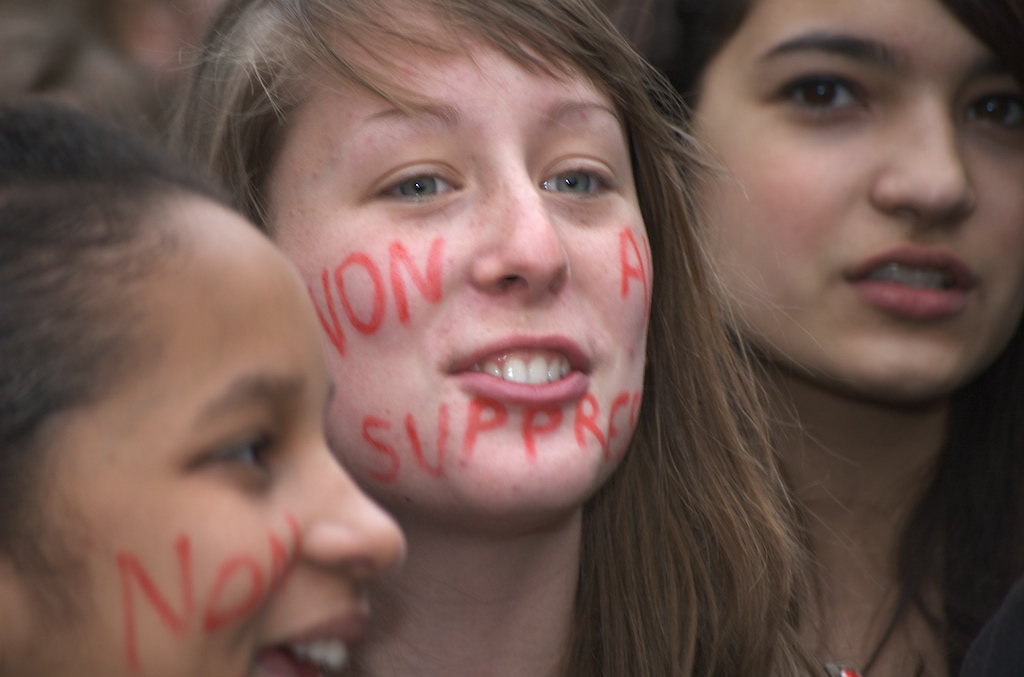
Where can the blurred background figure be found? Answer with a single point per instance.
(122, 59)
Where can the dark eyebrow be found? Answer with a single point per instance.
(249, 390)
(859, 49)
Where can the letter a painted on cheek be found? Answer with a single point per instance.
(391, 473)
(632, 263)
(333, 330)
(429, 284)
(131, 569)
(365, 327)
(530, 428)
(214, 619)
(476, 423)
(588, 423)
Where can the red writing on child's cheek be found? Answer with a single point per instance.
(634, 265)
(477, 423)
(239, 586)
(358, 271)
(553, 419)
(248, 570)
(389, 474)
(586, 422)
(131, 569)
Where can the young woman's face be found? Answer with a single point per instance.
(872, 229)
(210, 530)
(482, 276)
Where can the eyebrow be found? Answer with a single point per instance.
(870, 52)
(566, 108)
(447, 116)
(866, 51)
(249, 390)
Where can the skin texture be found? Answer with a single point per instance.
(907, 148)
(509, 259)
(925, 168)
(210, 519)
(522, 195)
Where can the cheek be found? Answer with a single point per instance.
(197, 586)
(365, 294)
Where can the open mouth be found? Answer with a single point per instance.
(320, 658)
(935, 279)
(533, 367)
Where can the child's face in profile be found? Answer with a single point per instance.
(208, 528)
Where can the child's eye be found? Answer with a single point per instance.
(573, 182)
(821, 92)
(1004, 110)
(252, 452)
(420, 187)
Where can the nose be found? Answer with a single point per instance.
(523, 251)
(925, 175)
(342, 529)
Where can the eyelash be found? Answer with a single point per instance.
(253, 452)
(596, 182)
(1010, 118)
(396, 189)
(827, 86)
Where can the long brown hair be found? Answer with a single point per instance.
(689, 564)
(967, 531)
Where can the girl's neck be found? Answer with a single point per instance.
(476, 604)
(859, 468)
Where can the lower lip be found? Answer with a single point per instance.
(556, 393)
(911, 303)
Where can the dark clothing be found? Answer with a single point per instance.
(998, 650)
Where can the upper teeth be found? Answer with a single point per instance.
(531, 367)
(919, 278)
(329, 655)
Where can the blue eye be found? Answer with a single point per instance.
(420, 187)
(821, 92)
(573, 182)
(1004, 110)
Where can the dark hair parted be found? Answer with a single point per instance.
(967, 531)
(75, 194)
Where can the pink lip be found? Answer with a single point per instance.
(908, 302)
(348, 628)
(568, 389)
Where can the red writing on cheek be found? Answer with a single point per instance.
(389, 474)
(553, 416)
(428, 284)
(436, 470)
(633, 264)
(486, 416)
(245, 565)
(476, 423)
(239, 569)
(131, 569)
(359, 271)
(371, 325)
(585, 422)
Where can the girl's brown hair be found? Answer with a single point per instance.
(967, 531)
(689, 564)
